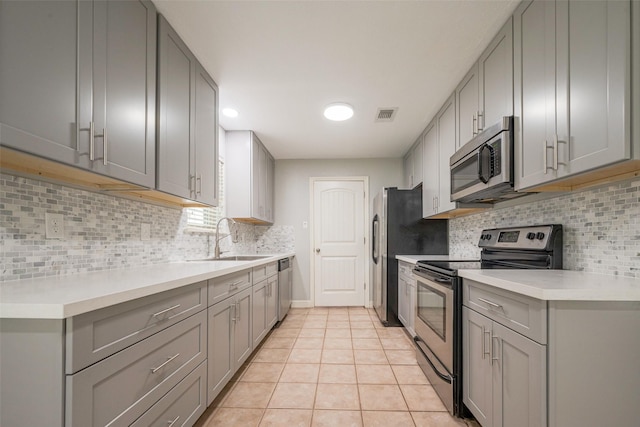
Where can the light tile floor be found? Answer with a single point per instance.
(335, 367)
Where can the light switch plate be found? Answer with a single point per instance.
(54, 226)
(145, 231)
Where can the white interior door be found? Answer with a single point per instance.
(339, 242)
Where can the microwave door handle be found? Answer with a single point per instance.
(485, 163)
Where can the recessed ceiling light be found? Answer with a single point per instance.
(338, 111)
(230, 112)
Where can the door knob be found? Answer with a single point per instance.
(317, 250)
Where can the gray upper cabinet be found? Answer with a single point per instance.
(187, 121)
(85, 93)
(412, 164)
(431, 184)
(250, 172)
(572, 63)
(485, 94)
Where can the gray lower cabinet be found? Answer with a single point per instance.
(573, 81)
(557, 363)
(271, 310)
(406, 296)
(505, 374)
(230, 341)
(81, 89)
(119, 389)
(187, 121)
(109, 366)
(260, 294)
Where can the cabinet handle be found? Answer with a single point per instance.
(154, 370)
(475, 123)
(235, 284)
(199, 185)
(105, 141)
(235, 309)
(478, 127)
(171, 423)
(92, 154)
(484, 350)
(493, 353)
(491, 303)
(160, 313)
(238, 311)
(544, 157)
(555, 151)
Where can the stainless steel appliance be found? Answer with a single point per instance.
(398, 228)
(482, 169)
(285, 282)
(438, 322)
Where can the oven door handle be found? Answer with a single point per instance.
(443, 377)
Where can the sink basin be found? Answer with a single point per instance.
(236, 258)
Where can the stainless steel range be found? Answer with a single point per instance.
(438, 322)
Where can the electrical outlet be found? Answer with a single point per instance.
(54, 226)
(145, 231)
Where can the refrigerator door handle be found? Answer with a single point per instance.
(374, 241)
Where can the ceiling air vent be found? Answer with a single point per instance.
(386, 114)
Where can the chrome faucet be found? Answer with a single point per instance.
(232, 233)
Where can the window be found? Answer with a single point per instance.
(205, 219)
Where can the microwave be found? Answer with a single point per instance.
(482, 169)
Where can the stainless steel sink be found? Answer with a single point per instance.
(236, 258)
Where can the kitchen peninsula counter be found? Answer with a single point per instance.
(559, 285)
(60, 297)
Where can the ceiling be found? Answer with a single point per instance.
(279, 63)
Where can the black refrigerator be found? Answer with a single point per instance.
(398, 229)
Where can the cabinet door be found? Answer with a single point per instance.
(408, 169)
(593, 73)
(220, 346)
(242, 345)
(257, 156)
(176, 71)
(124, 88)
(270, 188)
(258, 311)
(535, 92)
(495, 68)
(467, 107)
(271, 309)
(402, 300)
(206, 138)
(431, 171)
(417, 162)
(519, 379)
(38, 80)
(476, 364)
(446, 120)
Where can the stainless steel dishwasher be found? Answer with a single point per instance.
(285, 282)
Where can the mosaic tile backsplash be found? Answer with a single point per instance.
(103, 232)
(601, 228)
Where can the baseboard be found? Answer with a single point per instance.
(302, 304)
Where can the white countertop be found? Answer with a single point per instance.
(559, 285)
(415, 258)
(61, 297)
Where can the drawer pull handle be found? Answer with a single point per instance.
(171, 423)
(154, 370)
(235, 284)
(493, 353)
(160, 313)
(491, 303)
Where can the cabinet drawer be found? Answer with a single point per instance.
(93, 336)
(182, 406)
(264, 271)
(521, 313)
(119, 389)
(225, 286)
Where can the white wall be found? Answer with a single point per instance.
(292, 201)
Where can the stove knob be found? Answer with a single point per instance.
(540, 236)
(531, 236)
(488, 236)
(482, 237)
